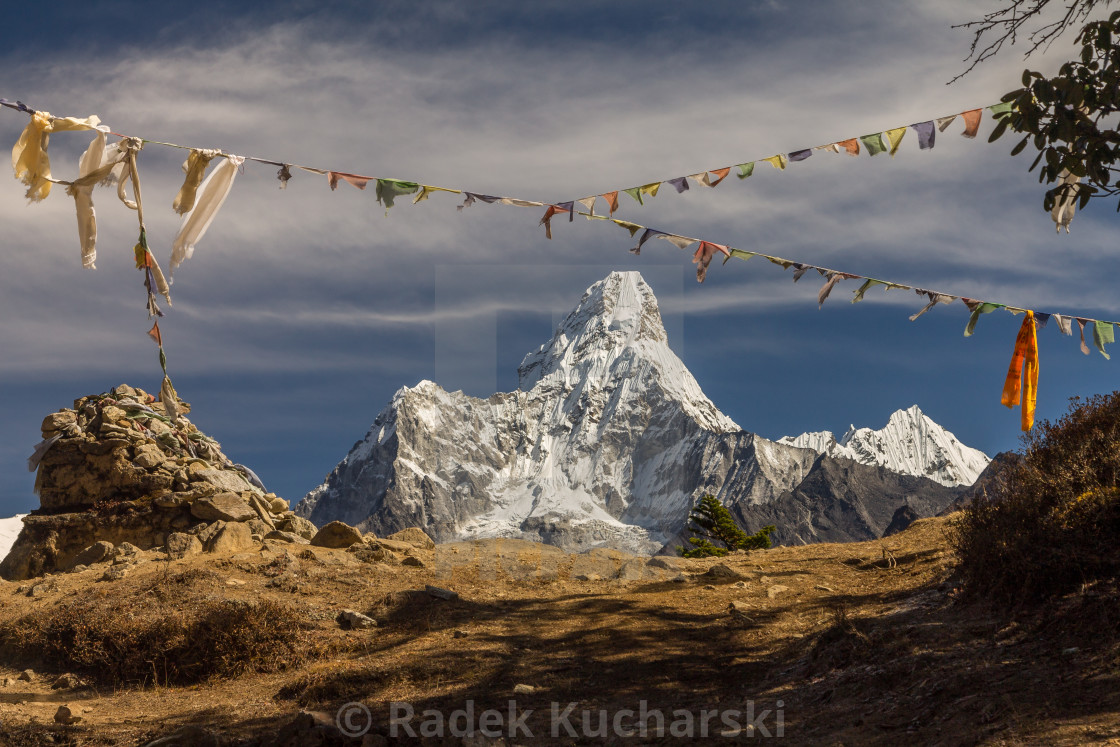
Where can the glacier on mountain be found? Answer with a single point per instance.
(608, 441)
(910, 444)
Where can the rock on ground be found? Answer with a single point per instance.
(336, 535)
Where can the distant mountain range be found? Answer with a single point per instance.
(910, 444)
(609, 440)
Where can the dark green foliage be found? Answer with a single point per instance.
(1051, 520)
(711, 521)
(1070, 118)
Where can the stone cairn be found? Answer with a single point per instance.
(123, 470)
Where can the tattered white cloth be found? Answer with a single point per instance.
(211, 195)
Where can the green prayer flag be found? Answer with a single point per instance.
(162, 361)
(983, 308)
(873, 143)
(389, 189)
(1000, 109)
(738, 253)
(745, 169)
(1102, 333)
(636, 193)
(869, 283)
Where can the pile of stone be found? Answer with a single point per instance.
(121, 467)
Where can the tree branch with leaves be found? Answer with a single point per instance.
(1071, 120)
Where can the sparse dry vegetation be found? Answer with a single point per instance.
(166, 635)
(858, 651)
(1051, 521)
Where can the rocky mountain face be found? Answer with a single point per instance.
(910, 444)
(608, 441)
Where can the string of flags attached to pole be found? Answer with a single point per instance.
(202, 195)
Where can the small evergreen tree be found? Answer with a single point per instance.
(711, 521)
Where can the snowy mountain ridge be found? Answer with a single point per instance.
(608, 441)
(910, 444)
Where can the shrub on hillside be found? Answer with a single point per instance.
(1051, 520)
(711, 520)
(135, 640)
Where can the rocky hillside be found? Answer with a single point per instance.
(288, 645)
(608, 441)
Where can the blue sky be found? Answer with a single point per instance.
(303, 310)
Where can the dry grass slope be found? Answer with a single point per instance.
(860, 650)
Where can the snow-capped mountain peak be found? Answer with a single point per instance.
(910, 443)
(609, 440)
(820, 441)
(615, 334)
(606, 439)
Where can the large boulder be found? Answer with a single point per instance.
(98, 552)
(233, 537)
(414, 536)
(289, 522)
(229, 480)
(222, 507)
(181, 544)
(337, 535)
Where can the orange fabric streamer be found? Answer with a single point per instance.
(971, 122)
(612, 200)
(1026, 351)
(155, 334)
(721, 173)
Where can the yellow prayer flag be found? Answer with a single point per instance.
(779, 161)
(426, 190)
(895, 138)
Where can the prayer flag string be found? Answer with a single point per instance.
(1024, 364)
(200, 198)
(886, 141)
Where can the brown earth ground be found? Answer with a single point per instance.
(857, 651)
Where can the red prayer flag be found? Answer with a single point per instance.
(155, 335)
